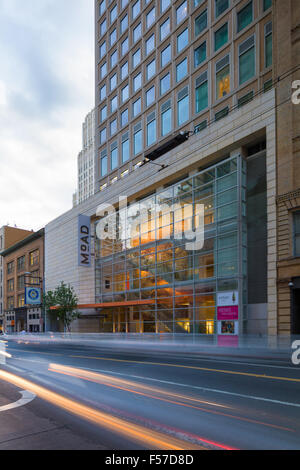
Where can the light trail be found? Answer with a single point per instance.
(139, 434)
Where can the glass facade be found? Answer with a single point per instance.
(168, 283)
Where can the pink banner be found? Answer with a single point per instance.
(227, 341)
(228, 313)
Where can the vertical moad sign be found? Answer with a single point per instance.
(84, 240)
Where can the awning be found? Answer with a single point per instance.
(125, 303)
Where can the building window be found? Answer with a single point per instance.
(201, 23)
(113, 14)
(103, 70)
(113, 37)
(201, 93)
(10, 303)
(165, 29)
(103, 136)
(124, 70)
(137, 32)
(150, 69)
(150, 18)
(124, 3)
(103, 28)
(296, 223)
(136, 58)
(181, 70)
(221, 36)
(114, 158)
(124, 24)
(222, 77)
(221, 6)
(198, 2)
(244, 17)
(21, 263)
(137, 107)
(166, 55)
(200, 54)
(136, 9)
(125, 151)
(104, 166)
(114, 104)
(181, 12)
(124, 46)
(267, 4)
(34, 258)
(150, 44)
(150, 96)
(102, 50)
(138, 142)
(10, 285)
(151, 131)
(10, 267)
(166, 119)
(246, 60)
(113, 82)
(103, 114)
(113, 127)
(268, 45)
(102, 8)
(182, 40)
(165, 83)
(125, 93)
(183, 107)
(21, 282)
(21, 300)
(103, 92)
(124, 117)
(164, 5)
(114, 59)
(137, 82)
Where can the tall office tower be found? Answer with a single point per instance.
(85, 161)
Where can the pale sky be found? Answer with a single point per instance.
(46, 90)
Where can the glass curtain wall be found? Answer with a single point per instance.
(155, 263)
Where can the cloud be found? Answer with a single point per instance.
(46, 89)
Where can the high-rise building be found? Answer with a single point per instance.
(187, 100)
(86, 160)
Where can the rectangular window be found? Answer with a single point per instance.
(181, 12)
(137, 32)
(221, 6)
(113, 82)
(21, 300)
(181, 70)
(113, 59)
(113, 127)
(137, 107)
(102, 8)
(166, 55)
(150, 96)
(103, 135)
(124, 24)
(150, 69)
(268, 45)
(114, 104)
(166, 119)
(182, 40)
(124, 70)
(150, 18)
(102, 92)
(113, 14)
(103, 27)
(165, 29)
(124, 118)
(34, 258)
(138, 142)
(104, 166)
(151, 130)
(10, 285)
(21, 263)
(267, 4)
(125, 151)
(103, 70)
(114, 158)
(244, 17)
(136, 58)
(21, 282)
(10, 267)
(125, 93)
(136, 9)
(150, 44)
(165, 83)
(113, 37)
(137, 82)
(102, 50)
(201, 23)
(164, 5)
(221, 36)
(200, 54)
(296, 223)
(183, 106)
(124, 46)
(222, 77)
(246, 60)
(103, 114)
(201, 93)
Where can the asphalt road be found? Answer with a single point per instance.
(130, 396)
